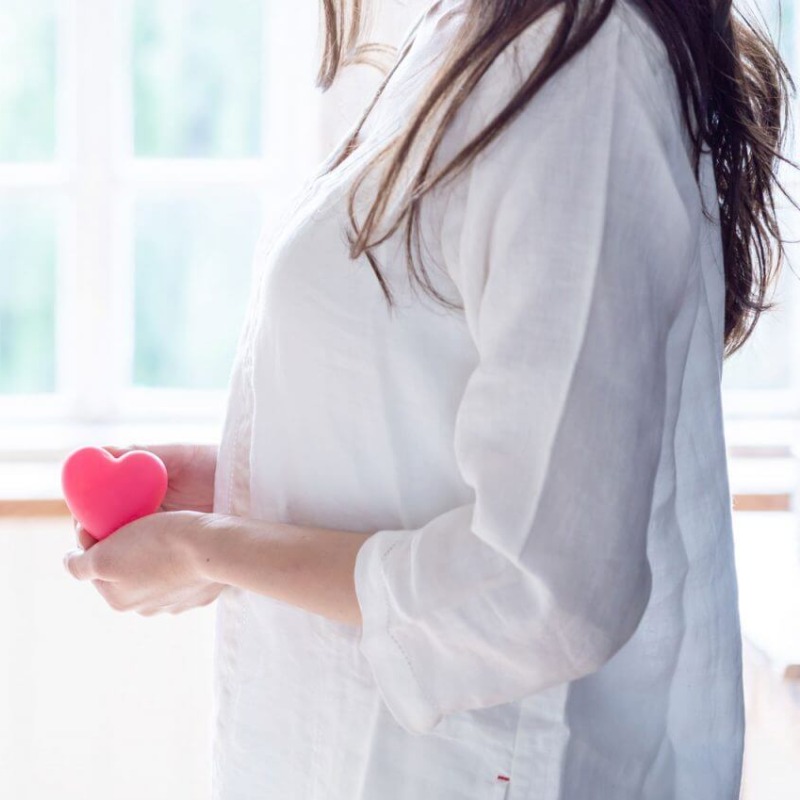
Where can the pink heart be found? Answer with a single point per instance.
(104, 493)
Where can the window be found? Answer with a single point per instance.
(28, 210)
(763, 379)
(144, 146)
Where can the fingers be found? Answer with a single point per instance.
(78, 562)
(206, 601)
(85, 539)
(201, 600)
(110, 594)
(81, 563)
(120, 451)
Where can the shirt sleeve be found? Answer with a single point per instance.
(571, 244)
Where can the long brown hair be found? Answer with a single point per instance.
(730, 76)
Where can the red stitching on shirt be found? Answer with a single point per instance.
(503, 778)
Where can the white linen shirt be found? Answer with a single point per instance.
(549, 599)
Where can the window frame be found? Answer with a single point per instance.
(96, 176)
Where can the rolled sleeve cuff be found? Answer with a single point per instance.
(396, 677)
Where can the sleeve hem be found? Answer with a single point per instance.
(394, 674)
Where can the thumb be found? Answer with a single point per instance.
(79, 564)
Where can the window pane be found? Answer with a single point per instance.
(197, 78)
(27, 292)
(27, 80)
(193, 267)
(782, 18)
(767, 359)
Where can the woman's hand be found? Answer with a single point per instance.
(190, 471)
(145, 566)
(190, 468)
(176, 560)
(149, 566)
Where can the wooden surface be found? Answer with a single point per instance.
(95, 704)
(762, 502)
(55, 507)
(49, 507)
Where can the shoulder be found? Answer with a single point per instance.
(605, 128)
(626, 34)
(600, 140)
(618, 92)
(626, 55)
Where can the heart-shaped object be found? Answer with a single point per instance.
(104, 493)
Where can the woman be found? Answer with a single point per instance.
(475, 541)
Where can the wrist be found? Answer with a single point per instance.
(205, 544)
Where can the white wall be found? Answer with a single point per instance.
(101, 705)
(95, 704)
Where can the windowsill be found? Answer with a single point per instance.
(55, 506)
(763, 465)
(32, 487)
(31, 455)
(33, 509)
